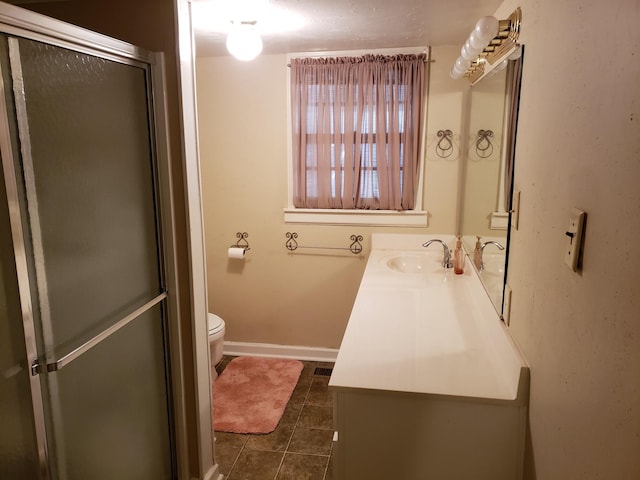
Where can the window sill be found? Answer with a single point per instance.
(366, 218)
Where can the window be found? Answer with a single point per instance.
(356, 124)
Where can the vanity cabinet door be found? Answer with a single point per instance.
(383, 435)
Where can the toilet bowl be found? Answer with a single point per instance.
(216, 340)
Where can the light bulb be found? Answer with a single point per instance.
(462, 64)
(455, 74)
(468, 52)
(502, 65)
(459, 68)
(243, 42)
(486, 29)
(476, 41)
(517, 53)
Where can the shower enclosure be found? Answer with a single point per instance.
(84, 313)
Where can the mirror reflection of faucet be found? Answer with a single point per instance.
(446, 261)
(479, 251)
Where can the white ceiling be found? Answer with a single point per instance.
(359, 24)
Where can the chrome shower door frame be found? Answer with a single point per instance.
(16, 22)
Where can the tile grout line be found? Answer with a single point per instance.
(302, 454)
(328, 465)
(326, 468)
(295, 425)
(237, 458)
(244, 444)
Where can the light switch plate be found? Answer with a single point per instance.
(573, 243)
(506, 307)
(515, 210)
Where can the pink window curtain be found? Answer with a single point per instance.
(356, 131)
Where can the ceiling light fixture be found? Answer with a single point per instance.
(243, 41)
(242, 22)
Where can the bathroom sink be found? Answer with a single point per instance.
(408, 263)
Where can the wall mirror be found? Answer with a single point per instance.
(487, 180)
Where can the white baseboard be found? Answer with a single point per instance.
(280, 351)
(212, 474)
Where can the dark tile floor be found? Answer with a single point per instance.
(300, 446)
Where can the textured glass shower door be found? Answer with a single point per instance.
(83, 160)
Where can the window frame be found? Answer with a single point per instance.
(418, 217)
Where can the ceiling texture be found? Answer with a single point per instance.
(331, 25)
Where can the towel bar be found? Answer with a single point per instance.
(355, 247)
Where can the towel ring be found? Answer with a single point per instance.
(444, 147)
(484, 146)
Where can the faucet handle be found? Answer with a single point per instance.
(446, 261)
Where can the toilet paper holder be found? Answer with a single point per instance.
(242, 241)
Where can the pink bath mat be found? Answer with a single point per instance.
(250, 395)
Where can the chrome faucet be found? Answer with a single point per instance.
(490, 242)
(446, 262)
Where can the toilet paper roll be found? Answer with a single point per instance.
(235, 252)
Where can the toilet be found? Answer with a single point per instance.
(216, 340)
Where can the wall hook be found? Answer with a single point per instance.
(356, 246)
(444, 147)
(484, 146)
(291, 242)
(242, 241)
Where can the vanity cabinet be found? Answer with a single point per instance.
(428, 384)
(394, 435)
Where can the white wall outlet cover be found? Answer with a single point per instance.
(574, 234)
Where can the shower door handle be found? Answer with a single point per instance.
(37, 368)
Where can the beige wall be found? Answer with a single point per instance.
(578, 145)
(275, 297)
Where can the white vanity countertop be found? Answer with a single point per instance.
(432, 332)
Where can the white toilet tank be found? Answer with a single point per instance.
(216, 339)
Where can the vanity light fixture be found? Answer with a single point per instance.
(490, 45)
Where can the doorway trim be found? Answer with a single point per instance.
(190, 148)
